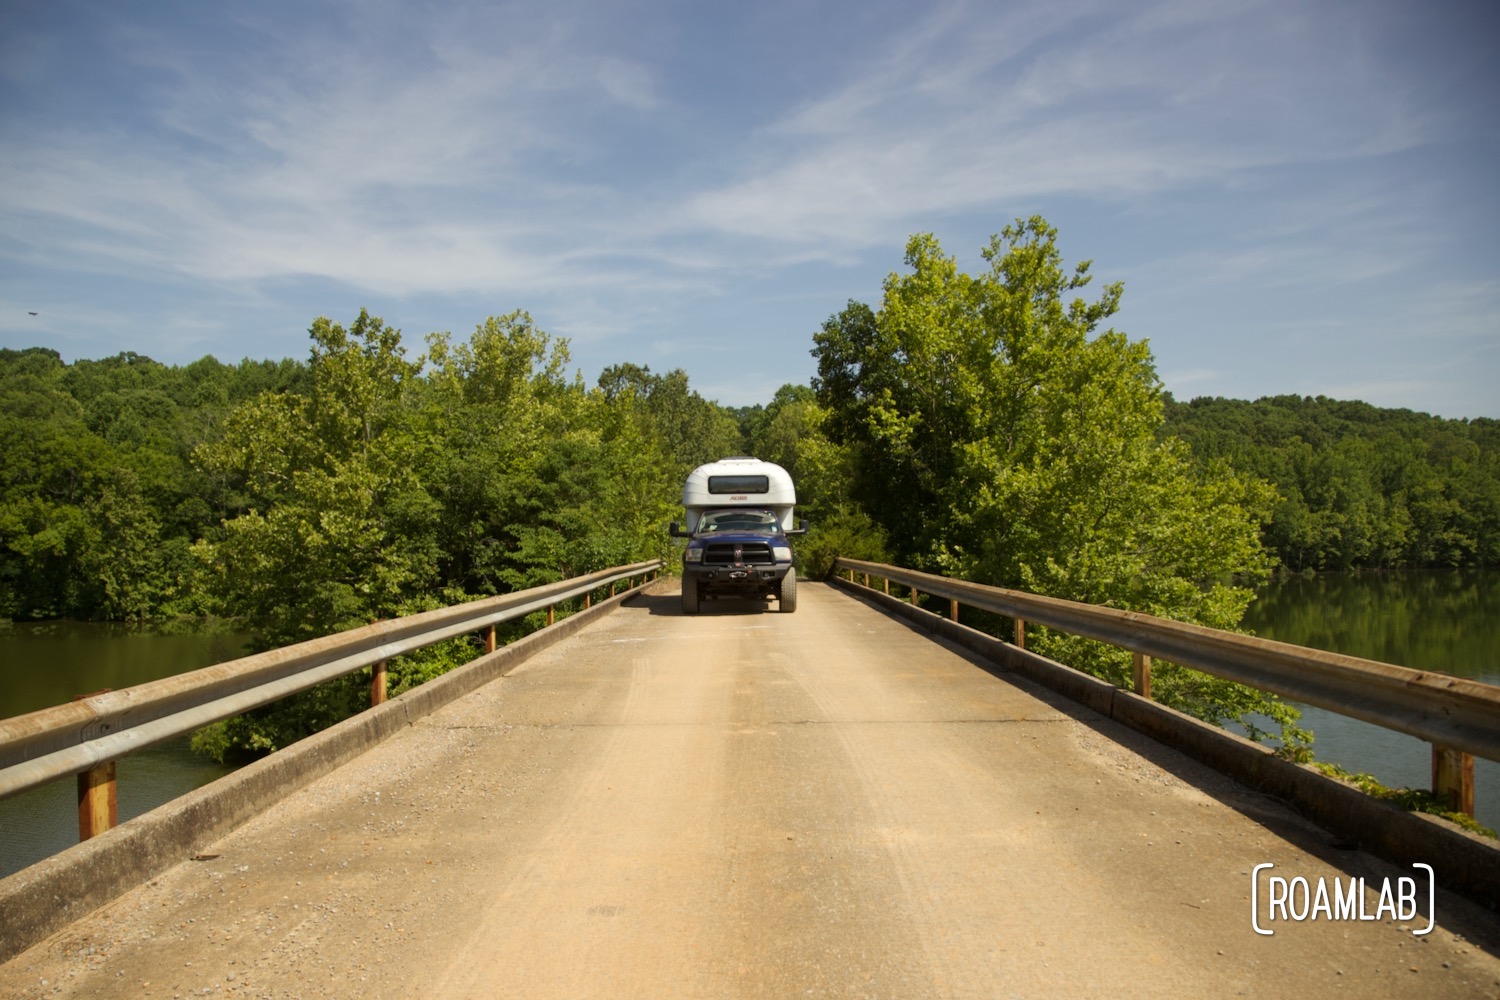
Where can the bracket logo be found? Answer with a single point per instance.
(1298, 900)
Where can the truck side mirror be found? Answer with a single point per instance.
(801, 528)
(676, 532)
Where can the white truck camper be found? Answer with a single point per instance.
(739, 518)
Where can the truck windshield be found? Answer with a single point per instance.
(738, 520)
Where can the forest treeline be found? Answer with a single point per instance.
(986, 426)
(362, 483)
(1358, 487)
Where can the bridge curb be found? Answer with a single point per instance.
(1462, 862)
(45, 897)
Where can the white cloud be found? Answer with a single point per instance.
(974, 112)
(629, 84)
(1280, 156)
(418, 169)
(432, 164)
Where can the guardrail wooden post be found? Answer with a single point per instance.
(551, 613)
(1020, 633)
(98, 803)
(489, 639)
(378, 683)
(1141, 674)
(886, 584)
(588, 600)
(953, 608)
(913, 596)
(98, 807)
(1453, 778)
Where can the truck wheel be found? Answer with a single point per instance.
(690, 595)
(788, 593)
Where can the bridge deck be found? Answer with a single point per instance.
(819, 804)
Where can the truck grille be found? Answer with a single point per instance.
(725, 554)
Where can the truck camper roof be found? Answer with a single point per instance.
(738, 482)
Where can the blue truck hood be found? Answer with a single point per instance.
(738, 538)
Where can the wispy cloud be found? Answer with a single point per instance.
(631, 172)
(436, 163)
(977, 110)
(424, 172)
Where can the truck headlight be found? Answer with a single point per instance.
(692, 554)
(782, 553)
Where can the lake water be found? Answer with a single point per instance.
(1447, 621)
(1443, 620)
(49, 663)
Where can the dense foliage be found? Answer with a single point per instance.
(1359, 486)
(1001, 436)
(307, 498)
(985, 426)
(99, 499)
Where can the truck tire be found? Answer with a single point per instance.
(690, 595)
(787, 596)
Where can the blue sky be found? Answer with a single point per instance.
(1299, 197)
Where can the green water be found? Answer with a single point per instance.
(1443, 620)
(49, 663)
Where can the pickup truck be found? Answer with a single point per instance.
(739, 522)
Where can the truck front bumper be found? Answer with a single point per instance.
(733, 579)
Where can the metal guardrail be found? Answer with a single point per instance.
(1459, 717)
(88, 735)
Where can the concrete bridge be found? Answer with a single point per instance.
(831, 803)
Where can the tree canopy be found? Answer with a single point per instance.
(1358, 486)
(989, 426)
(1000, 435)
(99, 498)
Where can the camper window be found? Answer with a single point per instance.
(739, 484)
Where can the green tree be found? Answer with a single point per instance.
(389, 487)
(1359, 486)
(692, 430)
(339, 530)
(539, 478)
(1001, 436)
(54, 469)
(99, 500)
